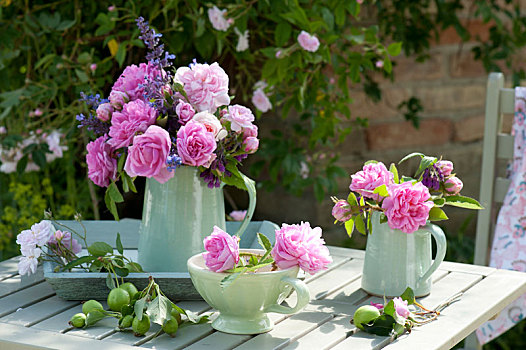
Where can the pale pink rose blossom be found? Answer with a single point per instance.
(261, 101)
(407, 207)
(3, 130)
(379, 64)
(136, 116)
(104, 111)
(29, 261)
(250, 131)
(118, 99)
(212, 124)
(38, 112)
(250, 144)
(300, 245)
(67, 241)
(308, 42)
(102, 167)
(42, 232)
(453, 185)
(222, 251)
(401, 308)
(445, 166)
(238, 215)
(147, 156)
(26, 239)
(240, 117)
(218, 19)
(205, 85)
(53, 142)
(93, 67)
(132, 80)
(195, 145)
(242, 40)
(370, 177)
(342, 210)
(184, 111)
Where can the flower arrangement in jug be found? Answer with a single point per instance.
(406, 203)
(157, 118)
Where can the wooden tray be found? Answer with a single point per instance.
(177, 286)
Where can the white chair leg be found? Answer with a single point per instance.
(471, 342)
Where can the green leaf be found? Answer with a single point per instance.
(159, 309)
(100, 249)
(439, 202)
(411, 155)
(114, 193)
(44, 60)
(437, 214)
(282, 33)
(372, 161)
(120, 163)
(394, 49)
(394, 171)
(425, 163)
(110, 204)
(463, 202)
(139, 306)
(382, 191)
(228, 280)
(118, 244)
(253, 260)
(382, 325)
(409, 296)
(349, 226)
(122, 272)
(235, 179)
(360, 224)
(93, 317)
(79, 261)
(352, 200)
(383, 218)
(264, 242)
(110, 283)
(120, 56)
(83, 77)
(134, 267)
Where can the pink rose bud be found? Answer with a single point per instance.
(238, 215)
(39, 131)
(222, 250)
(278, 54)
(118, 99)
(185, 112)
(111, 8)
(377, 305)
(58, 235)
(93, 67)
(445, 166)
(251, 144)
(341, 210)
(453, 185)
(104, 112)
(401, 307)
(379, 64)
(38, 112)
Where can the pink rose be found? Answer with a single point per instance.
(301, 245)
(342, 210)
(66, 240)
(211, 124)
(401, 308)
(205, 85)
(261, 101)
(118, 99)
(377, 305)
(102, 167)
(445, 166)
(222, 251)
(407, 207)
(238, 215)
(218, 19)
(104, 112)
(195, 145)
(370, 177)
(147, 156)
(184, 111)
(251, 131)
(250, 145)
(308, 42)
(132, 80)
(240, 117)
(29, 261)
(135, 116)
(453, 185)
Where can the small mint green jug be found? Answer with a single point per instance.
(395, 260)
(178, 215)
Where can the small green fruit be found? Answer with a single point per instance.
(365, 314)
(170, 327)
(126, 321)
(91, 305)
(176, 316)
(130, 288)
(142, 326)
(117, 298)
(78, 320)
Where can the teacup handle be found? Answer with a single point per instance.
(251, 189)
(440, 240)
(303, 297)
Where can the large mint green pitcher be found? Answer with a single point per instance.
(178, 215)
(395, 260)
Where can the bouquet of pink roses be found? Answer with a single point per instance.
(295, 245)
(157, 118)
(405, 202)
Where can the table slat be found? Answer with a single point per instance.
(39, 311)
(24, 298)
(17, 282)
(324, 337)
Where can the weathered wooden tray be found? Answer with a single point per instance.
(177, 286)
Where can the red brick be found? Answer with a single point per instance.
(475, 27)
(389, 136)
(463, 64)
(408, 69)
(452, 97)
(469, 129)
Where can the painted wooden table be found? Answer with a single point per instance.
(32, 316)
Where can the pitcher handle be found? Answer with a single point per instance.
(440, 240)
(303, 297)
(251, 189)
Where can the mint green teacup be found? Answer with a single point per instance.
(244, 304)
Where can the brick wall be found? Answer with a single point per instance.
(451, 86)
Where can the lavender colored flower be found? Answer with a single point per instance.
(93, 124)
(433, 177)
